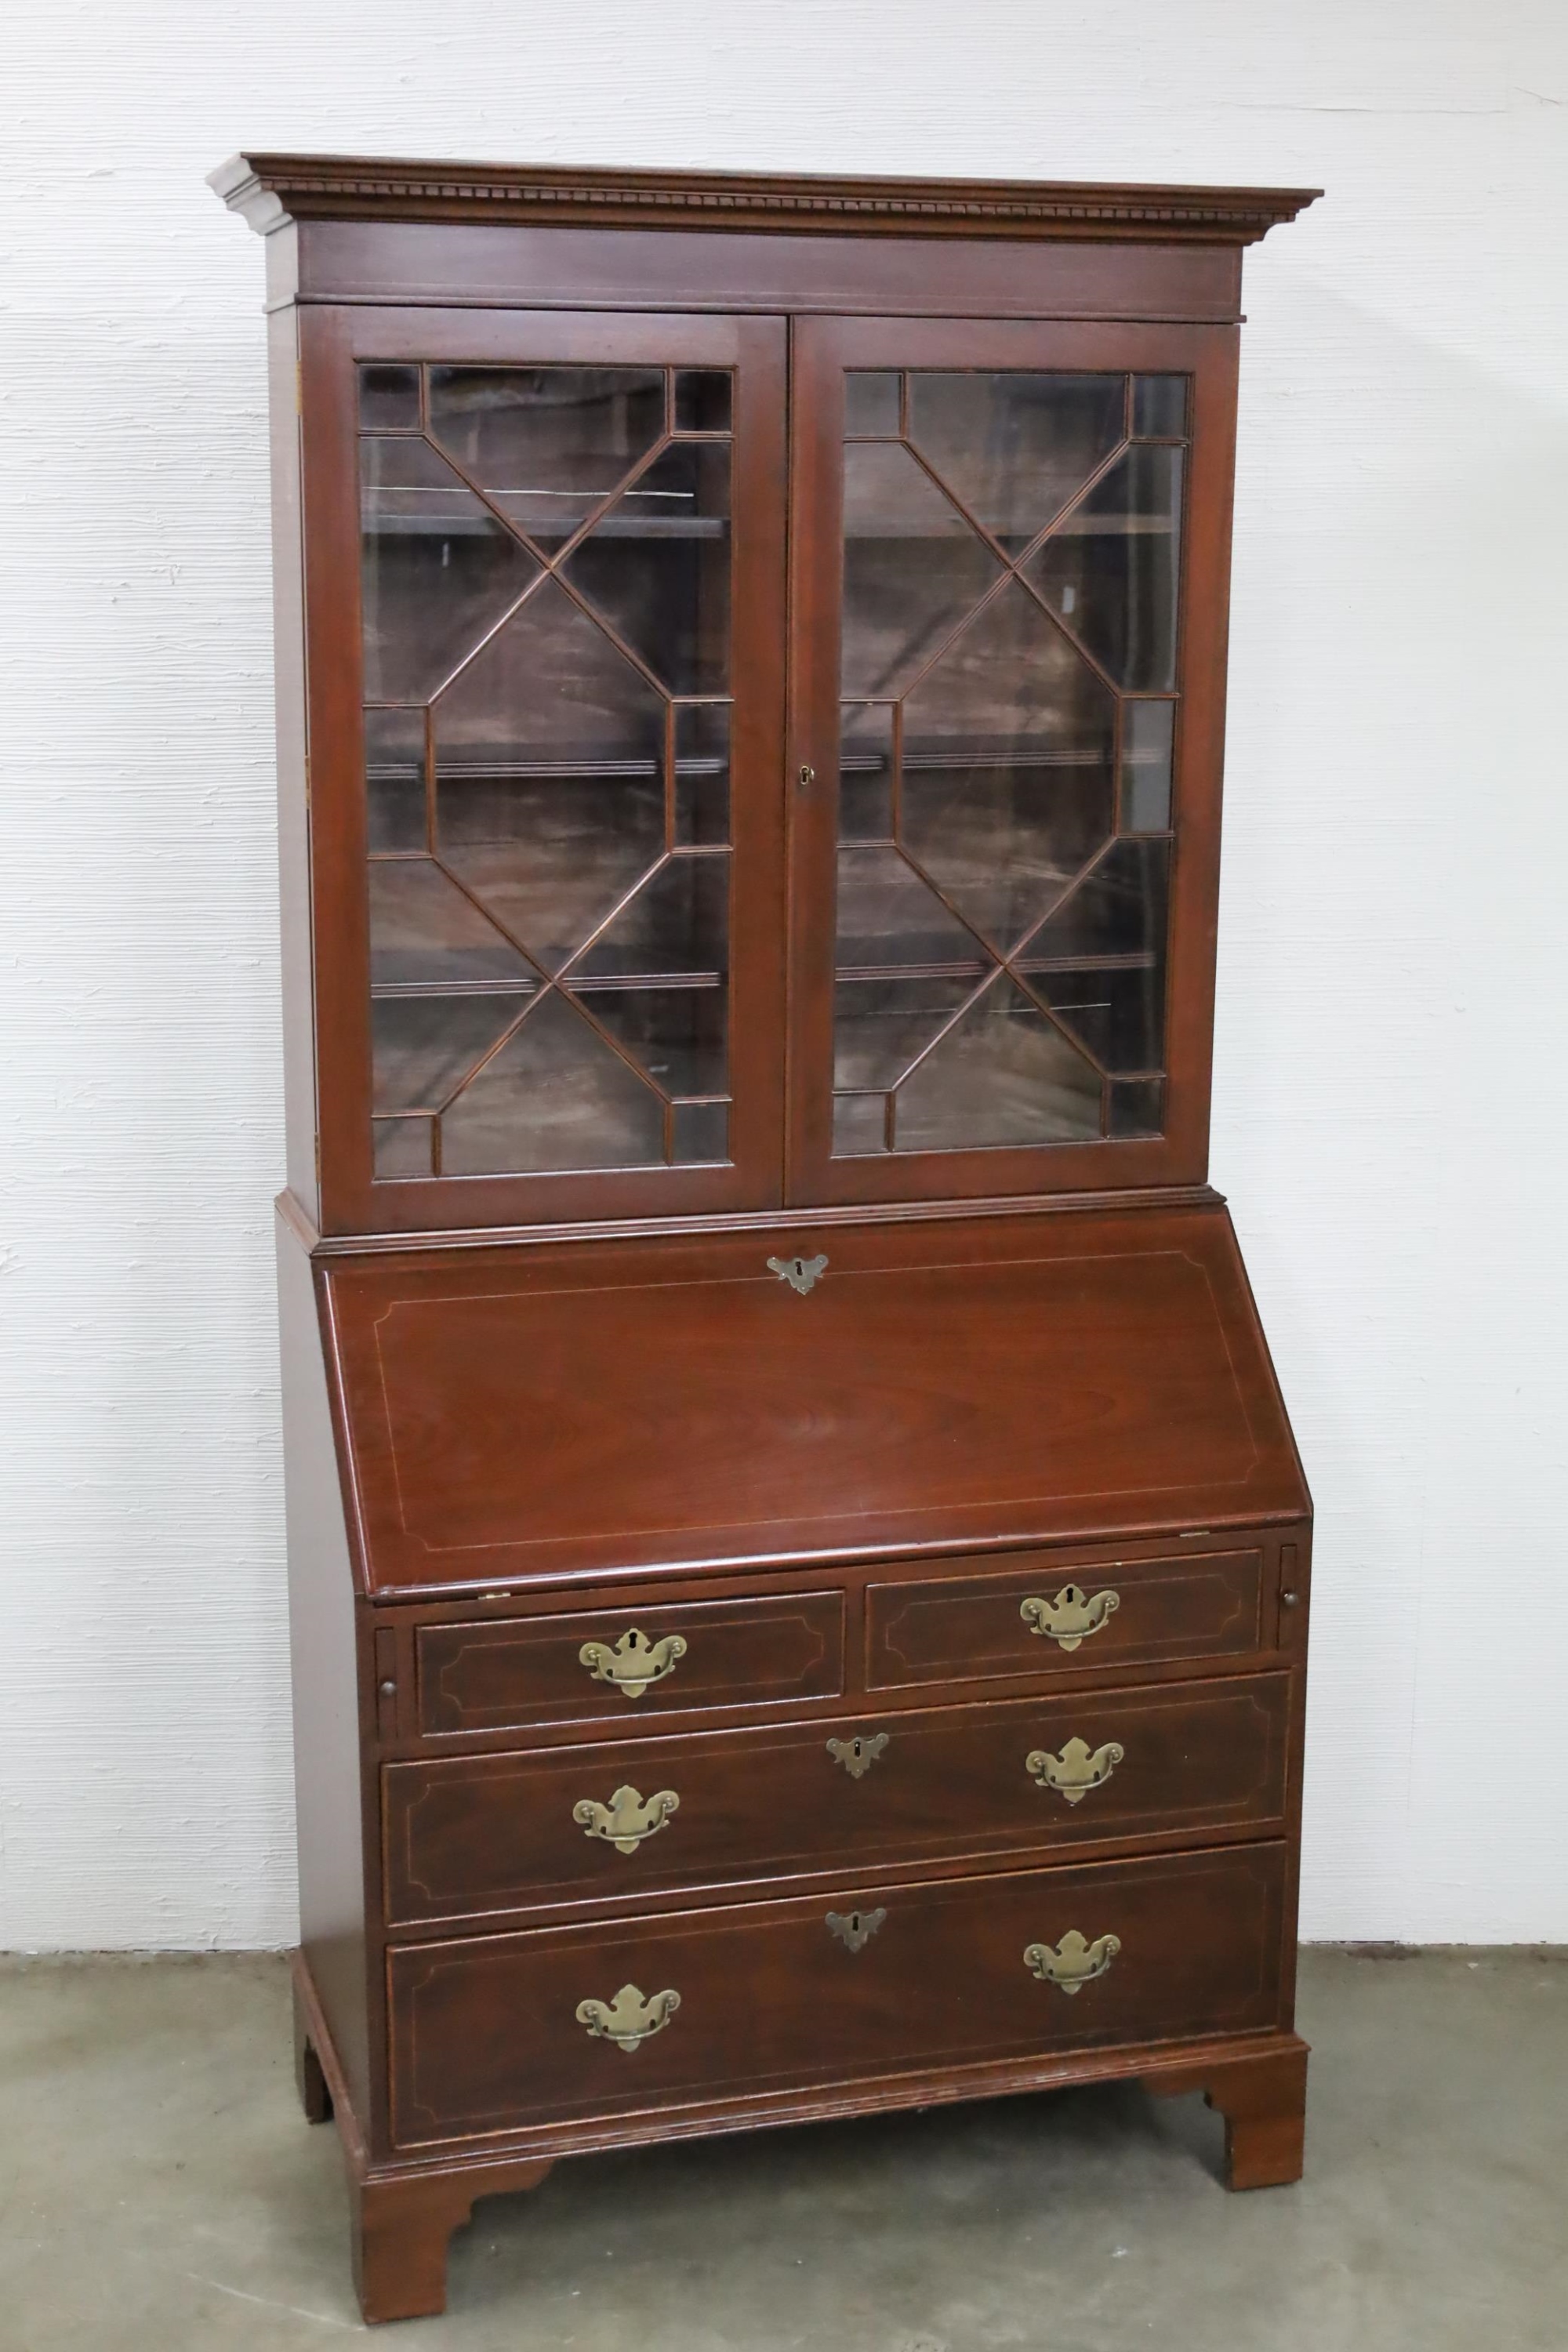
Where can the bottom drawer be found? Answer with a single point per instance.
(497, 2033)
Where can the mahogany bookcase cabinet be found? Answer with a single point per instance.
(798, 1560)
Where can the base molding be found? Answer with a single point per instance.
(404, 2212)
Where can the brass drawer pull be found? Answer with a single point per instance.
(1075, 1771)
(628, 2020)
(1071, 1617)
(800, 1273)
(1074, 1963)
(854, 1930)
(626, 1819)
(635, 1662)
(857, 1755)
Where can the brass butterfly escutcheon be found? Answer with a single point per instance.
(800, 1273)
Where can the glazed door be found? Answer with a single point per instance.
(544, 592)
(1009, 551)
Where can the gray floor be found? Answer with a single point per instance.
(160, 2190)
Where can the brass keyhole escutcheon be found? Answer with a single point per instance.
(805, 777)
(857, 1755)
(854, 1930)
(800, 1273)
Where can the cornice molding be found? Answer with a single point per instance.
(272, 189)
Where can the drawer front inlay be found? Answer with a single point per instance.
(629, 1664)
(1044, 1618)
(469, 1837)
(487, 2035)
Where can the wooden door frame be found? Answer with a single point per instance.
(332, 340)
(821, 349)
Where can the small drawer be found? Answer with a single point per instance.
(629, 1664)
(475, 1836)
(502, 2032)
(1048, 1616)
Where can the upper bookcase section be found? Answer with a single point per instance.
(388, 229)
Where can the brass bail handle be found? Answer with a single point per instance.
(627, 1819)
(635, 1662)
(1077, 1770)
(1071, 1617)
(631, 2019)
(1074, 1962)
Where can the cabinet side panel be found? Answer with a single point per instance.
(293, 787)
(326, 1709)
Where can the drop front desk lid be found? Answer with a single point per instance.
(535, 1409)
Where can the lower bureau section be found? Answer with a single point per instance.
(500, 2033)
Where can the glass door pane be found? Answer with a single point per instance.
(548, 673)
(1009, 616)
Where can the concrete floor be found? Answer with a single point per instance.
(162, 2191)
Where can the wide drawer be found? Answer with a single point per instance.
(1043, 1616)
(497, 1673)
(496, 2034)
(473, 1835)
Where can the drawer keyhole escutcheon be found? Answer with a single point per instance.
(635, 1662)
(628, 2020)
(1071, 1617)
(854, 1930)
(800, 1273)
(1076, 1770)
(626, 1819)
(857, 1755)
(1074, 1963)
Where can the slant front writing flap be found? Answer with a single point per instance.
(859, 1389)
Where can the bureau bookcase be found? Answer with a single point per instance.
(798, 1563)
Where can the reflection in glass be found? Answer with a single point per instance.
(881, 1025)
(550, 805)
(889, 918)
(1137, 1107)
(859, 1125)
(701, 401)
(423, 1047)
(1118, 909)
(701, 774)
(1159, 406)
(423, 932)
(1001, 926)
(388, 398)
(401, 1146)
(555, 1097)
(1014, 448)
(678, 922)
(702, 1131)
(866, 771)
(657, 567)
(1117, 1012)
(1003, 1076)
(912, 569)
(1111, 568)
(1147, 731)
(871, 404)
(548, 444)
(573, 820)
(676, 1035)
(395, 780)
(437, 570)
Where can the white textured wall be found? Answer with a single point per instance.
(1390, 1104)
